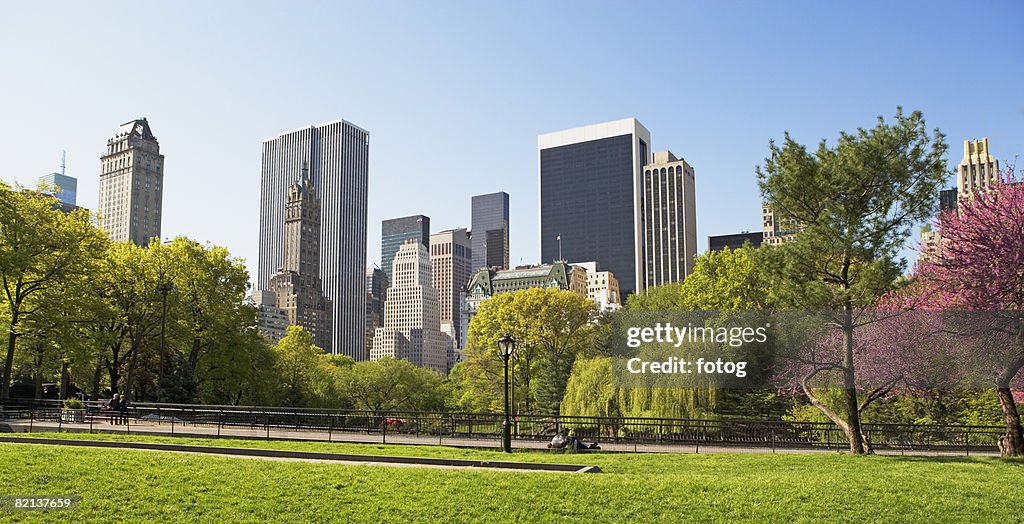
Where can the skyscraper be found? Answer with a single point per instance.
(451, 260)
(590, 197)
(411, 313)
(395, 231)
(337, 156)
(376, 288)
(978, 169)
(65, 187)
(670, 220)
(489, 229)
(131, 184)
(297, 285)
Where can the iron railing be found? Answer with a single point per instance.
(301, 423)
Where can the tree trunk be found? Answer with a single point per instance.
(96, 381)
(854, 434)
(37, 374)
(131, 370)
(65, 379)
(12, 339)
(1011, 444)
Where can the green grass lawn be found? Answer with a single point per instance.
(147, 486)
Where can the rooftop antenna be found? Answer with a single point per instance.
(63, 154)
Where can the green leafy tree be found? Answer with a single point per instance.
(726, 280)
(307, 375)
(41, 249)
(722, 281)
(853, 206)
(551, 328)
(391, 385)
(128, 326)
(211, 325)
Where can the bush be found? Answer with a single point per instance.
(73, 403)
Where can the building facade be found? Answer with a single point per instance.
(273, 321)
(489, 228)
(412, 318)
(489, 282)
(773, 231)
(590, 197)
(65, 188)
(602, 288)
(948, 199)
(337, 156)
(376, 289)
(297, 286)
(131, 184)
(669, 220)
(451, 260)
(735, 241)
(393, 234)
(977, 170)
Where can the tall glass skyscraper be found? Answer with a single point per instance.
(590, 197)
(65, 187)
(394, 232)
(490, 231)
(338, 157)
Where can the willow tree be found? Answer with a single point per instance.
(852, 207)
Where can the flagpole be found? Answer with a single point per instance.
(559, 247)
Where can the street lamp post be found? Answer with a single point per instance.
(506, 346)
(163, 289)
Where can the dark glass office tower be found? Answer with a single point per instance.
(948, 199)
(590, 197)
(490, 231)
(394, 232)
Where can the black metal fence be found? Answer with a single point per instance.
(247, 421)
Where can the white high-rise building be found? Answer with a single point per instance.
(669, 220)
(412, 318)
(131, 184)
(978, 169)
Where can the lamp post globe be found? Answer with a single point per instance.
(506, 346)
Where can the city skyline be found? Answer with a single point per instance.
(711, 106)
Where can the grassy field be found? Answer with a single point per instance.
(146, 486)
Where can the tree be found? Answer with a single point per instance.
(391, 385)
(129, 323)
(211, 325)
(551, 328)
(307, 375)
(726, 280)
(979, 266)
(722, 282)
(41, 250)
(853, 206)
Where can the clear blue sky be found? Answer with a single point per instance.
(454, 94)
